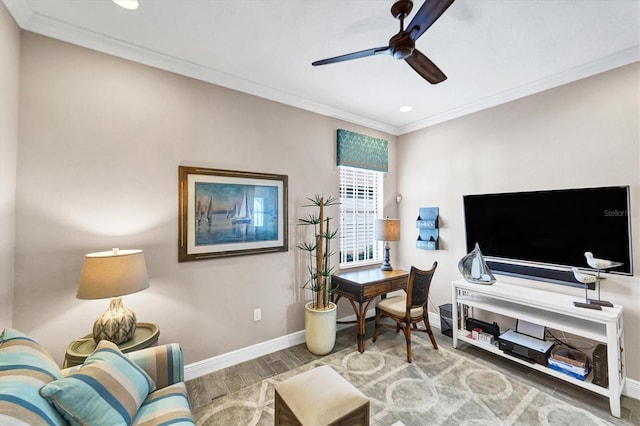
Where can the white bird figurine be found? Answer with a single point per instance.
(600, 263)
(584, 278)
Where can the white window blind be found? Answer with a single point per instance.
(360, 206)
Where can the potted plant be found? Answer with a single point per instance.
(320, 313)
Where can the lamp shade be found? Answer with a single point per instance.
(387, 230)
(112, 273)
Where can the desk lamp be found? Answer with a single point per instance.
(387, 230)
(113, 274)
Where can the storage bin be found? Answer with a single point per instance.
(446, 323)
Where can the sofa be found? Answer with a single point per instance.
(144, 387)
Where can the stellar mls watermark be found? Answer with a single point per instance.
(615, 213)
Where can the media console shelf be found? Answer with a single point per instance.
(551, 310)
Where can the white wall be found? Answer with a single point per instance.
(9, 83)
(583, 134)
(101, 140)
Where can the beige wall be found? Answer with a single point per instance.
(9, 79)
(100, 143)
(583, 134)
(101, 139)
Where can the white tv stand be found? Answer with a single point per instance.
(551, 310)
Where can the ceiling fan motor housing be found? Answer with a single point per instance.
(401, 45)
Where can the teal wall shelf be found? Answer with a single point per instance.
(427, 224)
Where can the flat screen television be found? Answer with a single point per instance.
(542, 234)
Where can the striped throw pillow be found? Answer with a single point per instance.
(25, 367)
(106, 389)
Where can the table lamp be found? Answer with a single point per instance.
(113, 274)
(387, 230)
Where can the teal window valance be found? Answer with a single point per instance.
(361, 151)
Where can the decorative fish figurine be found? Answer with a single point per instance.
(474, 269)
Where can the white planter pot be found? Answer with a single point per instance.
(320, 329)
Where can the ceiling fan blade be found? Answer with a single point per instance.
(427, 69)
(429, 13)
(354, 55)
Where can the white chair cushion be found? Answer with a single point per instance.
(397, 305)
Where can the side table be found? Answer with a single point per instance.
(146, 335)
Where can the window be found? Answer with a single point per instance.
(360, 206)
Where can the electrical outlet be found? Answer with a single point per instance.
(257, 314)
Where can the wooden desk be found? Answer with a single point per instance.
(362, 286)
(146, 335)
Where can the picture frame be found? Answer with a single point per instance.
(226, 213)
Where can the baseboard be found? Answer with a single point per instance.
(210, 365)
(207, 366)
(631, 388)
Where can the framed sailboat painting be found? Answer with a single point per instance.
(230, 213)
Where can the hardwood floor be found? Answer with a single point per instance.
(204, 389)
(207, 388)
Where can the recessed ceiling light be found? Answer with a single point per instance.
(127, 4)
(406, 108)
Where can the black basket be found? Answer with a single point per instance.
(446, 323)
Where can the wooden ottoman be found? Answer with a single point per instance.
(319, 397)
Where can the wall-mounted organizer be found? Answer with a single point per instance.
(427, 224)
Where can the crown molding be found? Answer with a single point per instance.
(608, 63)
(33, 22)
(28, 20)
(20, 11)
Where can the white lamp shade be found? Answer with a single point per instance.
(112, 273)
(387, 230)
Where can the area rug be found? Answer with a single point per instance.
(438, 388)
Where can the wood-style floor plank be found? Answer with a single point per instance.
(203, 390)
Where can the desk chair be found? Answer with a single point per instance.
(410, 309)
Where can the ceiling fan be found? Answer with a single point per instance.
(403, 44)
